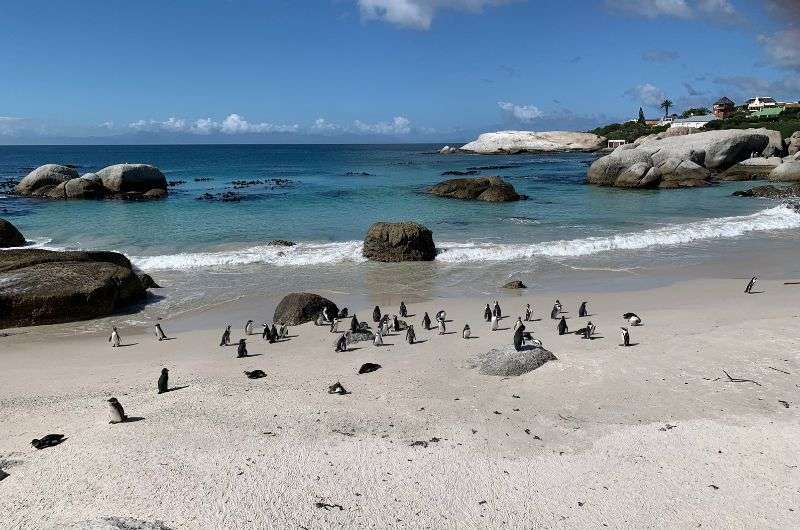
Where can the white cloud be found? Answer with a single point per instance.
(783, 48)
(525, 113)
(233, 124)
(721, 10)
(106, 125)
(417, 14)
(323, 125)
(399, 125)
(647, 94)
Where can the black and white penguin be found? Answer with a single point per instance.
(426, 322)
(588, 331)
(441, 315)
(554, 313)
(325, 316)
(255, 374)
(396, 323)
(337, 388)
(163, 381)
(241, 349)
(626, 337)
(354, 323)
(750, 285)
(160, 335)
(442, 326)
(274, 334)
(633, 319)
(487, 313)
(518, 323)
(403, 310)
(343, 313)
(284, 332)
(528, 313)
(495, 323)
(496, 311)
(116, 412)
(265, 333)
(341, 344)
(378, 340)
(558, 305)
(48, 440)
(410, 335)
(226, 336)
(335, 326)
(518, 337)
(248, 327)
(582, 312)
(466, 332)
(115, 339)
(376, 314)
(562, 326)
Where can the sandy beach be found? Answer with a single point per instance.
(651, 436)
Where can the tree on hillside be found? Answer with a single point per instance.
(666, 105)
(700, 111)
(641, 116)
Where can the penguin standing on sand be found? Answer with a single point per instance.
(441, 315)
(487, 313)
(466, 332)
(160, 335)
(582, 312)
(378, 340)
(750, 285)
(410, 335)
(248, 328)
(528, 313)
(396, 324)
(496, 311)
(354, 323)
(426, 322)
(241, 349)
(284, 334)
(626, 337)
(403, 310)
(518, 324)
(558, 305)
(325, 315)
(376, 314)
(385, 325)
(274, 333)
(163, 381)
(588, 331)
(335, 326)
(226, 336)
(554, 313)
(116, 412)
(518, 337)
(341, 344)
(442, 327)
(562, 326)
(495, 322)
(115, 339)
(265, 334)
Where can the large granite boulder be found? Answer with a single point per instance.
(512, 142)
(46, 287)
(394, 242)
(679, 161)
(770, 192)
(757, 168)
(786, 172)
(123, 178)
(488, 189)
(88, 186)
(793, 144)
(44, 178)
(506, 361)
(299, 308)
(9, 235)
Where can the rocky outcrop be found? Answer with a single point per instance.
(394, 242)
(770, 192)
(786, 172)
(448, 150)
(513, 142)
(757, 168)
(793, 144)
(299, 308)
(505, 361)
(281, 243)
(678, 161)
(10, 236)
(489, 189)
(121, 181)
(46, 287)
(515, 284)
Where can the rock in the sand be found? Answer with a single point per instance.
(395, 242)
(299, 308)
(489, 189)
(361, 335)
(123, 178)
(786, 172)
(506, 361)
(44, 179)
(680, 161)
(515, 284)
(770, 192)
(757, 168)
(10, 236)
(281, 243)
(46, 287)
(148, 282)
(793, 143)
(120, 523)
(512, 142)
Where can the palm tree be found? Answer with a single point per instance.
(666, 105)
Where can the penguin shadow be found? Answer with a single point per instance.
(502, 329)
(175, 389)
(410, 316)
(448, 333)
(386, 344)
(534, 320)
(473, 337)
(527, 347)
(595, 337)
(131, 419)
(631, 345)
(756, 292)
(420, 341)
(250, 355)
(167, 338)
(352, 349)
(128, 345)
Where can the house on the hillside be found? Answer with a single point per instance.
(723, 108)
(767, 112)
(667, 120)
(760, 102)
(693, 122)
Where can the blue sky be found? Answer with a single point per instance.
(376, 70)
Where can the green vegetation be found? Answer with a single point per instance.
(787, 122)
(700, 111)
(642, 119)
(628, 131)
(666, 105)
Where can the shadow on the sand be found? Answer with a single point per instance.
(631, 345)
(175, 388)
(420, 341)
(128, 345)
(167, 338)
(448, 333)
(250, 355)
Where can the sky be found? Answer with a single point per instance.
(329, 71)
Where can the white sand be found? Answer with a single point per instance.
(229, 452)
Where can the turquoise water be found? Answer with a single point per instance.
(208, 251)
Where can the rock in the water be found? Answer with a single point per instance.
(44, 178)
(88, 186)
(786, 172)
(757, 168)
(447, 150)
(394, 242)
(770, 192)
(281, 243)
(489, 189)
(46, 287)
(122, 178)
(148, 282)
(10, 236)
(506, 361)
(515, 284)
(299, 308)
(511, 142)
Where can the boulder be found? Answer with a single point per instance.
(447, 150)
(148, 282)
(512, 142)
(489, 189)
(757, 168)
(515, 284)
(786, 172)
(154, 194)
(46, 287)
(394, 242)
(281, 243)
(44, 178)
(88, 186)
(10, 236)
(793, 143)
(122, 178)
(770, 192)
(505, 361)
(299, 308)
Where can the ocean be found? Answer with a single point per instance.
(324, 197)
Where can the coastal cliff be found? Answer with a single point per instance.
(513, 142)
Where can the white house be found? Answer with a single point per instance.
(694, 122)
(760, 103)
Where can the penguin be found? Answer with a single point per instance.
(410, 335)
(116, 412)
(750, 285)
(343, 313)
(496, 311)
(442, 327)
(558, 305)
(582, 312)
(487, 313)
(160, 335)
(48, 440)
(163, 381)
(378, 340)
(367, 368)
(554, 313)
(265, 334)
(396, 324)
(466, 332)
(518, 323)
(241, 349)
(494, 323)
(403, 309)
(588, 331)
(354, 323)
(248, 328)
(562, 326)
(528, 313)
(626, 337)
(426, 322)
(325, 316)
(320, 321)
(441, 315)
(255, 374)
(115, 339)
(226, 337)
(633, 319)
(284, 334)
(337, 388)
(335, 326)
(376, 314)
(274, 334)
(385, 327)
(519, 337)
(341, 344)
